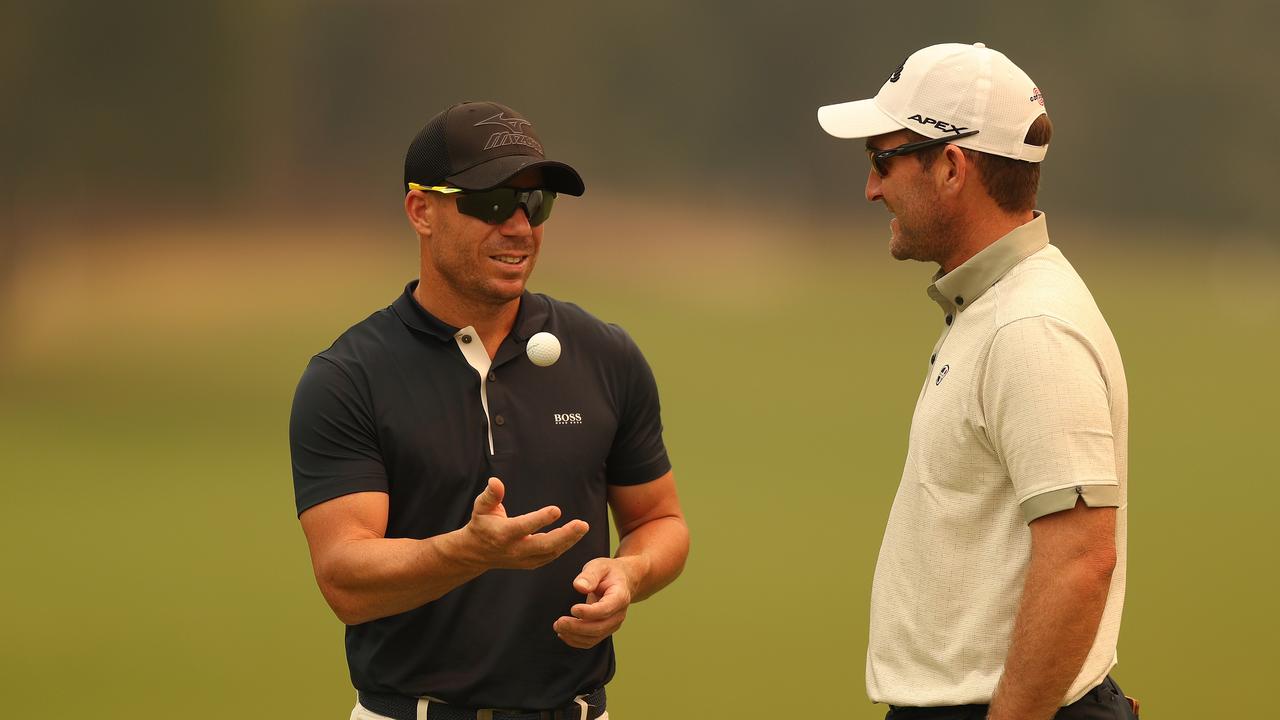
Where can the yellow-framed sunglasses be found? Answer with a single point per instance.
(496, 205)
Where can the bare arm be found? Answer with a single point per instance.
(1073, 553)
(652, 553)
(364, 575)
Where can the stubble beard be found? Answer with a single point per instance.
(459, 268)
(924, 238)
(468, 282)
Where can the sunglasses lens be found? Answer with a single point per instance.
(877, 165)
(495, 206)
(538, 206)
(492, 206)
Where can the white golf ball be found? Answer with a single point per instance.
(543, 349)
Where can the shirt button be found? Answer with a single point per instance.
(466, 338)
(949, 319)
(499, 420)
(932, 358)
(959, 300)
(493, 377)
(1079, 490)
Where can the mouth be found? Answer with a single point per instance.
(510, 260)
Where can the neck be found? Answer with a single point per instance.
(492, 322)
(978, 232)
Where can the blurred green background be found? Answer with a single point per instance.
(196, 197)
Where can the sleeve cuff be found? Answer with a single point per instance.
(1047, 503)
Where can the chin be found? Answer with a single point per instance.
(898, 249)
(505, 291)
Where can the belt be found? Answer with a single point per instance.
(402, 707)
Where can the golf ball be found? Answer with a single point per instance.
(543, 349)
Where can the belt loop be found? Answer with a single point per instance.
(422, 708)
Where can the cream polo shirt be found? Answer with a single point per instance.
(1024, 409)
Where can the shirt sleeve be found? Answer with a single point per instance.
(332, 438)
(1047, 405)
(638, 454)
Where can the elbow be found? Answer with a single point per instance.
(1096, 566)
(684, 554)
(348, 613)
(345, 604)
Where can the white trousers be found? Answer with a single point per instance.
(360, 712)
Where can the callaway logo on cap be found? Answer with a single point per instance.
(945, 90)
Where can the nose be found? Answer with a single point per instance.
(517, 224)
(873, 189)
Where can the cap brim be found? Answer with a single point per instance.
(860, 118)
(488, 175)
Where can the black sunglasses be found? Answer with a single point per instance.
(496, 205)
(879, 158)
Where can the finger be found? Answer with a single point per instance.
(588, 629)
(579, 642)
(530, 522)
(553, 543)
(490, 498)
(591, 575)
(613, 601)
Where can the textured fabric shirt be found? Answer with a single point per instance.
(405, 404)
(1024, 409)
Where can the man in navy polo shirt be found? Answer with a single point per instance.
(454, 495)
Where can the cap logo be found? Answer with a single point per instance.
(897, 72)
(511, 134)
(943, 126)
(1036, 95)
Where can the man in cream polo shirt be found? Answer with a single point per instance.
(1000, 581)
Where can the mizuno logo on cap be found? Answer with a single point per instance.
(512, 135)
(943, 126)
(515, 125)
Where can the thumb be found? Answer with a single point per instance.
(488, 500)
(591, 574)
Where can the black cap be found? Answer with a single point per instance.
(479, 146)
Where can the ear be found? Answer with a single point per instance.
(418, 208)
(952, 171)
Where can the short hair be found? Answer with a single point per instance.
(1011, 183)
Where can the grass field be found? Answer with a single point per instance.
(153, 565)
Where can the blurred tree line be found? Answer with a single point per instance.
(118, 110)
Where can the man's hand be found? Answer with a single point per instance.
(493, 540)
(609, 584)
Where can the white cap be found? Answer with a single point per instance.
(945, 90)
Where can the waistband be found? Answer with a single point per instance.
(401, 707)
(1100, 693)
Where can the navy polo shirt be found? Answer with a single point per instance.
(395, 406)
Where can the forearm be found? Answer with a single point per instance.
(655, 554)
(370, 578)
(1057, 621)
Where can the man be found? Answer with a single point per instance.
(429, 452)
(1000, 579)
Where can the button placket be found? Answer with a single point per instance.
(478, 358)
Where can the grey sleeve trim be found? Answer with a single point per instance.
(1037, 506)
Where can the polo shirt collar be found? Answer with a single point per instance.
(530, 318)
(961, 287)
